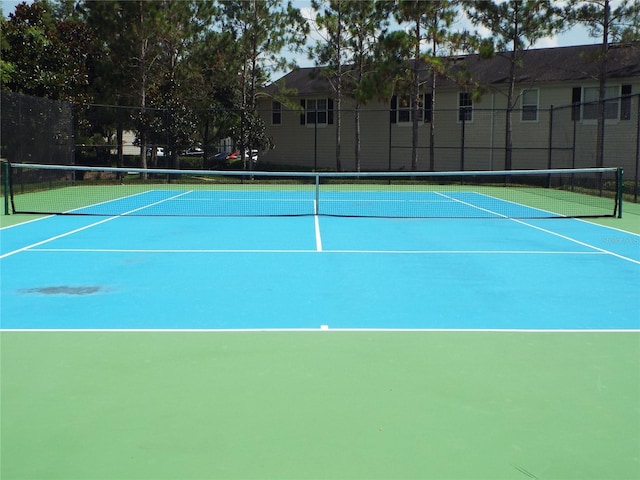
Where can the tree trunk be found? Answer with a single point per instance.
(415, 102)
(602, 85)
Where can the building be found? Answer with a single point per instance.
(554, 122)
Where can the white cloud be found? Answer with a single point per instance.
(547, 42)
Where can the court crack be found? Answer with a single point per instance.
(524, 471)
(64, 290)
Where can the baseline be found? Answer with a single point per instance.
(319, 249)
(321, 328)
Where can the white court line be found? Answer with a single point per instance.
(165, 250)
(383, 200)
(246, 200)
(318, 249)
(51, 239)
(545, 230)
(547, 212)
(607, 226)
(109, 201)
(584, 244)
(71, 232)
(471, 205)
(316, 222)
(318, 236)
(27, 222)
(71, 211)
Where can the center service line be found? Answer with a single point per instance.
(318, 237)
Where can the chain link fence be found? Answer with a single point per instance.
(36, 130)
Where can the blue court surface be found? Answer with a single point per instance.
(318, 272)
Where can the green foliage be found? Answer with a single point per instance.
(618, 22)
(43, 56)
(514, 25)
(486, 48)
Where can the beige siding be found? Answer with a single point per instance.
(385, 144)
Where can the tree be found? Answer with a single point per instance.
(182, 26)
(333, 53)
(168, 62)
(366, 22)
(262, 30)
(45, 56)
(515, 26)
(427, 38)
(438, 36)
(610, 25)
(214, 88)
(7, 68)
(130, 31)
(411, 12)
(149, 66)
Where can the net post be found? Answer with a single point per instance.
(6, 169)
(620, 189)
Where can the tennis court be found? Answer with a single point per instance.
(300, 332)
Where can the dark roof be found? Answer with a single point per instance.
(545, 65)
(304, 80)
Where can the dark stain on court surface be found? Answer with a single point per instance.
(64, 290)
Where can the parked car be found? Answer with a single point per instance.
(159, 151)
(236, 155)
(221, 156)
(194, 151)
(222, 159)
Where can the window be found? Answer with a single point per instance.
(316, 111)
(576, 98)
(401, 109)
(590, 100)
(530, 105)
(276, 113)
(428, 101)
(465, 107)
(404, 109)
(616, 105)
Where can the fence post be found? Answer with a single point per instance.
(550, 147)
(462, 140)
(74, 128)
(635, 188)
(390, 133)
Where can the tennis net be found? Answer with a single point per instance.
(76, 190)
